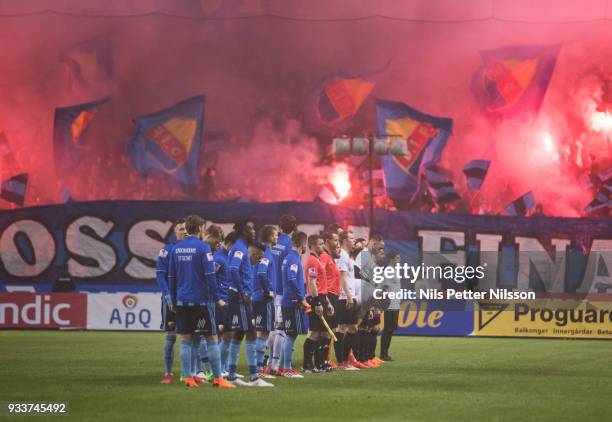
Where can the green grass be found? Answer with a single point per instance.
(115, 376)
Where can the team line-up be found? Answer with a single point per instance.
(218, 291)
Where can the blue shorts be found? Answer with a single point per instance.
(220, 314)
(294, 320)
(198, 319)
(168, 318)
(238, 316)
(264, 315)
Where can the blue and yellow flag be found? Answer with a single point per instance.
(335, 102)
(169, 142)
(426, 135)
(340, 99)
(513, 80)
(69, 133)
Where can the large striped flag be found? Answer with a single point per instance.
(426, 135)
(168, 141)
(14, 189)
(514, 80)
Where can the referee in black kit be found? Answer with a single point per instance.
(391, 314)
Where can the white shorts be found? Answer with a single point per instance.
(278, 316)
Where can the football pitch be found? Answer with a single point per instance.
(115, 376)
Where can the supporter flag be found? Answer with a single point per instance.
(14, 189)
(441, 187)
(475, 172)
(337, 99)
(89, 62)
(513, 80)
(69, 132)
(334, 103)
(602, 198)
(426, 135)
(169, 142)
(520, 206)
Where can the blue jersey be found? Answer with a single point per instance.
(191, 271)
(280, 251)
(161, 274)
(294, 288)
(220, 258)
(265, 277)
(239, 268)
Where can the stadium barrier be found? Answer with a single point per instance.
(92, 311)
(123, 311)
(108, 249)
(43, 310)
(112, 246)
(436, 318)
(544, 318)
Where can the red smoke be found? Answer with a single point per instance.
(257, 74)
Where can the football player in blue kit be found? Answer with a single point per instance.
(193, 286)
(220, 258)
(214, 237)
(239, 315)
(276, 339)
(168, 317)
(263, 295)
(294, 302)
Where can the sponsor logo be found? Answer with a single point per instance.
(238, 254)
(294, 268)
(201, 323)
(487, 312)
(436, 317)
(130, 301)
(264, 261)
(120, 311)
(31, 310)
(544, 318)
(163, 253)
